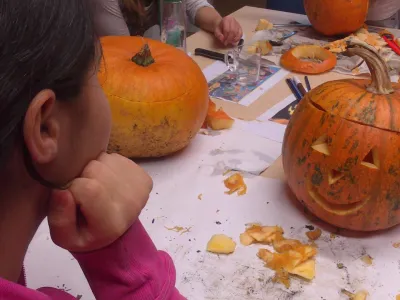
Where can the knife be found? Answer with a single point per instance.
(221, 57)
(212, 54)
(209, 54)
(292, 24)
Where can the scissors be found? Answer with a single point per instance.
(389, 39)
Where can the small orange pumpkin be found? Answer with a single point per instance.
(158, 96)
(292, 60)
(336, 17)
(341, 150)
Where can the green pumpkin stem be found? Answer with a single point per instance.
(143, 58)
(380, 83)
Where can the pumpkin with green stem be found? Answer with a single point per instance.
(341, 150)
(158, 96)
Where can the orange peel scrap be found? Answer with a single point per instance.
(367, 259)
(179, 229)
(264, 24)
(361, 295)
(235, 184)
(291, 257)
(262, 47)
(314, 235)
(362, 35)
(221, 244)
(217, 119)
(261, 235)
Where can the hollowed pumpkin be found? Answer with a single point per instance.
(341, 150)
(158, 96)
(336, 17)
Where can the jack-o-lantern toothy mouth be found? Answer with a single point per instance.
(337, 209)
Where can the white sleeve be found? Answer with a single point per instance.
(192, 6)
(108, 18)
(382, 9)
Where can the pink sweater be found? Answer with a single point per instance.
(129, 269)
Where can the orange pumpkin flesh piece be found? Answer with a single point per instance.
(341, 149)
(292, 59)
(235, 183)
(217, 119)
(212, 107)
(291, 256)
(333, 17)
(158, 96)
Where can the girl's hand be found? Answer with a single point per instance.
(99, 206)
(228, 31)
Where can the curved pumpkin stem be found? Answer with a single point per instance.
(143, 58)
(381, 83)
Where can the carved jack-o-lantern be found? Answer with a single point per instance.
(341, 151)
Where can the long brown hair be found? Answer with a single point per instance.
(56, 54)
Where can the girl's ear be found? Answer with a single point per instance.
(41, 128)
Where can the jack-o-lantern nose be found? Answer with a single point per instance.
(334, 176)
(371, 160)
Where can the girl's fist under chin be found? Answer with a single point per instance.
(99, 206)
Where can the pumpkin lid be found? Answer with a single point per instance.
(374, 102)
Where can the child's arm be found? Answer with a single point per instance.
(205, 16)
(130, 268)
(118, 258)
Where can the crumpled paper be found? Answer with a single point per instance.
(345, 65)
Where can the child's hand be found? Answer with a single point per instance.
(228, 31)
(99, 206)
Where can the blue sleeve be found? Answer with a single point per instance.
(293, 6)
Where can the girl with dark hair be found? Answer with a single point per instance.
(141, 17)
(54, 129)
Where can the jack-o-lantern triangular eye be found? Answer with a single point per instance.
(371, 160)
(321, 145)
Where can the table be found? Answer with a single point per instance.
(188, 192)
(248, 18)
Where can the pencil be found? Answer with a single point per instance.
(300, 86)
(298, 92)
(293, 88)
(307, 83)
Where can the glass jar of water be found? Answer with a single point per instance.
(173, 24)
